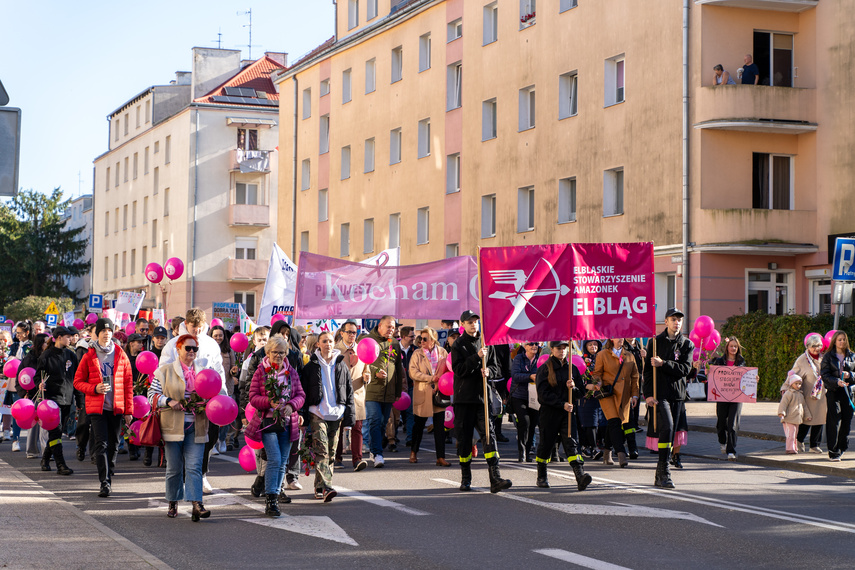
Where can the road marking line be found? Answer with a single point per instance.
(579, 560)
(380, 502)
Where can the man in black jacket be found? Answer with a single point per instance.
(57, 365)
(672, 359)
(469, 373)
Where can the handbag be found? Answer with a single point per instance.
(533, 404)
(440, 400)
(149, 435)
(608, 390)
(696, 391)
(253, 427)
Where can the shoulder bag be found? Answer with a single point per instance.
(149, 435)
(608, 390)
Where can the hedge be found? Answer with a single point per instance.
(772, 343)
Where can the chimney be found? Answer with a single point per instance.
(212, 67)
(182, 78)
(279, 57)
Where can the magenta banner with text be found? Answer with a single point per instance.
(331, 288)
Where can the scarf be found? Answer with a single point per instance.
(433, 357)
(189, 377)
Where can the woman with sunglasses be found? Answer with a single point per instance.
(523, 376)
(426, 366)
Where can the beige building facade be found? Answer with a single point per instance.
(189, 174)
(443, 126)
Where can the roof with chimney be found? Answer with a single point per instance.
(250, 86)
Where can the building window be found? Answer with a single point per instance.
(124, 264)
(165, 251)
(244, 194)
(325, 87)
(345, 162)
(424, 52)
(769, 292)
(247, 139)
(488, 216)
(368, 236)
(139, 116)
(307, 102)
(148, 112)
(156, 147)
(614, 81)
(452, 250)
(772, 182)
(371, 11)
(344, 249)
(304, 241)
(145, 161)
(106, 223)
(127, 168)
(491, 23)
(325, 134)
(136, 164)
(156, 180)
(167, 148)
(144, 256)
(454, 86)
(107, 185)
(527, 108)
(247, 299)
(424, 138)
(423, 226)
(773, 54)
(370, 75)
(323, 205)
(134, 215)
(127, 123)
(395, 146)
(455, 29)
(165, 202)
(154, 233)
(666, 289)
(567, 201)
(452, 173)
(118, 169)
(345, 86)
(528, 9)
(613, 192)
(133, 261)
(145, 210)
(245, 248)
(106, 267)
(525, 209)
(568, 88)
(397, 64)
(352, 14)
(489, 119)
(116, 266)
(116, 222)
(368, 159)
(306, 175)
(116, 130)
(565, 5)
(394, 231)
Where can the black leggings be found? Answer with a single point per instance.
(815, 434)
(553, 428)
(438, 433)
(614, 436)
(527, 420)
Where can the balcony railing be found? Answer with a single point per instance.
(775, 5)
(756, 108)
(251, 160)
(247, 270)
(249, 215)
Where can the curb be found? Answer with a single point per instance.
(750, 459)
(750, 434)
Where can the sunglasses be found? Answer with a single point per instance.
(532, 344)
(189, 348)
(424, 337)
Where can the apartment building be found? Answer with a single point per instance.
(190, 173)
(79, 215)
(443, 126)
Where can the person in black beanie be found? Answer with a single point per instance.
(57, 366)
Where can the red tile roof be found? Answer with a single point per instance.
(254, 76)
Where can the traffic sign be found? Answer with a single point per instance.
(844, 260)
(52, 309)
(51, 319)
(96, 301)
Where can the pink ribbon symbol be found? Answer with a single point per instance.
(382, 260)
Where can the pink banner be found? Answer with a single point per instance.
(567, 291)
(331, 288)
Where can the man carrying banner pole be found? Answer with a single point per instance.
(668, 363)
(471, 363)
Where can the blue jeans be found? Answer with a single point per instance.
(16, 429)
(184, 467)
(277, 445)
(377, 414)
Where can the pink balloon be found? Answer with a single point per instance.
(448, 361)
(208, 383)
(239, 342)
(24, 410)
(141, 407)
(704, 326)
(10, 369)
(276, 318)
(712, 341)
(246, 457)
(91, 318)
(249, 411)
(154, 272)
(696, 354)
(26, 379)
(48, 414)
(147, 362)
(174, 268)
(130, 329)
(826, 340)
(28, 423)
(215, 322)
(446, 383)
(695, 338)
(221, 410)
(543, 358)
(579, 363)
(252, 444)
(135, 431)
(403, 402)
(78, 324)
(449, 417)
(461, 330)
(62, 322)
(808, 335)
(510, 380)
(367, 350)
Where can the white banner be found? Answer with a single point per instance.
(68, 318)
(129, 302)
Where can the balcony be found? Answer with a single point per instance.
(251, 160)
(783, 110)
(774, 5)
(247, 270)
(790, 230)
(249, 215)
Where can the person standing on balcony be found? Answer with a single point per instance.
(750, 71)
(721, 76)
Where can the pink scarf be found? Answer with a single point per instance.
(189, 377)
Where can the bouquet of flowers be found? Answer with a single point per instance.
(141, 384)
(277, 389)
(128, 433)
(386, 356)
(195, 405)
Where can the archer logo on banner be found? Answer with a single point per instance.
(526, 289)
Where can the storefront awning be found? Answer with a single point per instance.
(250, 122)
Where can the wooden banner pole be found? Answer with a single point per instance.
(487, 418)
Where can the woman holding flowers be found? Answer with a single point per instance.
(277, 395)
(183, 425)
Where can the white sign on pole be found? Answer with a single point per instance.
(129, 302)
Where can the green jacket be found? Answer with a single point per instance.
(386, 390)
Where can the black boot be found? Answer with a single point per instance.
(631, 445)
(496, 482)
(147, 455)
(257, 486)
(61, 467)
(46, 455)
(542, 481)
(675, 460)
(582, 478)
(272, 507)
(663, 471)
(465, 475)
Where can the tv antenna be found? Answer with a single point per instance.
(219, 39)
(249, 45)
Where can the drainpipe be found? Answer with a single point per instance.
(195, 209)
(335, 26)
(294, 179)
(685, 256)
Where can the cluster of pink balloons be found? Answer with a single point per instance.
(173, 268)
(704, 336)
(48, 413)
(826, 340)
(24, 412)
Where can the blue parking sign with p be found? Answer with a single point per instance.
(844, 260)
(96, 301)
(51, 320)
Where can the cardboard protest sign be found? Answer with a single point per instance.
(732, 384)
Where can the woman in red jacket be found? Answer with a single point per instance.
(105, 378)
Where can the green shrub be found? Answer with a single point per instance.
(33, 307)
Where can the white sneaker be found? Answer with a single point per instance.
(816, 450)
(6, 435)
(214, 450)
(731, 457)
(723, 448)
(16, 446)
(378, 461)
(295, 485)
(205, 485)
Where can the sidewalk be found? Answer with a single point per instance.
(34, 516)
(761, 441)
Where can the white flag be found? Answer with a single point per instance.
(280, 288)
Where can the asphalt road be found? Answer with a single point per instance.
(722, 515)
